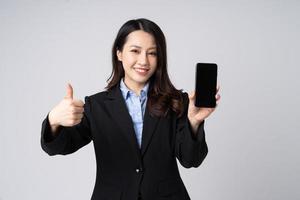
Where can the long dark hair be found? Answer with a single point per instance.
(162, 95)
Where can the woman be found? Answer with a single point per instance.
(139, 125)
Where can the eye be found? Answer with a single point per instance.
(134, 51)
(153, 53)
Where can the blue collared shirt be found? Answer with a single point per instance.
(136, 106)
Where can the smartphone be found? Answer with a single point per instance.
(206, 85)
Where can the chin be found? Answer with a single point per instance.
(141, 80)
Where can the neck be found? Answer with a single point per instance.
(133, 86)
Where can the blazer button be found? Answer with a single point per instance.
(138, 170)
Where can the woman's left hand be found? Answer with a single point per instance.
(197, 115)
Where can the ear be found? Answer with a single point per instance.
(119, 55)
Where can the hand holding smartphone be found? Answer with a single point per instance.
(206, 83)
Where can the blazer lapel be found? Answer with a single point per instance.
(117, 108)
(149, 126)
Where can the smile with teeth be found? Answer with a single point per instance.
(142, 70)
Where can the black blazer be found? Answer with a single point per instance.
(124, 171)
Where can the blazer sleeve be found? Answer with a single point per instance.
(190, 149)
(68, 139)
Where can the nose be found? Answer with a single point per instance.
(143, 59)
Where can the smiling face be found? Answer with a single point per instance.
(139, 59)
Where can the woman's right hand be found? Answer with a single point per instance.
(68, 112)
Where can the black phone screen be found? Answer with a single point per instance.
(206, 83)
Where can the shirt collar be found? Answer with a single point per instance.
(126, 92)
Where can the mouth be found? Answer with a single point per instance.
(141, 71)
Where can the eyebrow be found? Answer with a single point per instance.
(154, 47)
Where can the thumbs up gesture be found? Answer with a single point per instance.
(68, 112)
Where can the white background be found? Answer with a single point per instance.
(253, 136)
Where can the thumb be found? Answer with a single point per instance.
(192, 95)
(69, 94)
